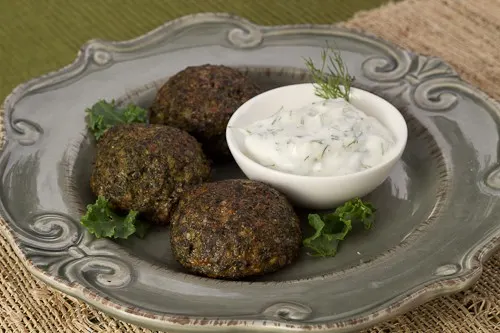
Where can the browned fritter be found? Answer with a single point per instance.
(200, 100)
(146, 167)
(233, 229)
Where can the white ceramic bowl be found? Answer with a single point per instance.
(316, 192)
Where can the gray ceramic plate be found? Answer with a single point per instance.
(438, 211)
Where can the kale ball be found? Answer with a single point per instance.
(146, 167)
(200, 100)
(233, 229)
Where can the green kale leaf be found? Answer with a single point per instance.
(104, 115)
(331, 229)
(101, 221)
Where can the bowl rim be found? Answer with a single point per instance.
(393, 155)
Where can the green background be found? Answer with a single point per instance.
(38, 36)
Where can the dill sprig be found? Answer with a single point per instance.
(336, 81)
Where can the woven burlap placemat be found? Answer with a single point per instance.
(464, 33)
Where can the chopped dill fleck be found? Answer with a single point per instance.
(324, 150)
(351, 143)
(302, 121)
(305, 159)
(334, 137)
(276, 113)
(275, 120)
(317, 141)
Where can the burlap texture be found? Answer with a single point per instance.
(464, 33)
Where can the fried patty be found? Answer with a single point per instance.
(233, 229)
(146, 167)
(200, 100)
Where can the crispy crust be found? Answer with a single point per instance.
(233, 229)
(200, 100)
(146, 167)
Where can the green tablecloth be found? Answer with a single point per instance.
(37, 36)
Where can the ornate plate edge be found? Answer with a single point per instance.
(445, 286)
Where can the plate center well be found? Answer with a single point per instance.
(404, 201)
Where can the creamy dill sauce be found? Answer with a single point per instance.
(326, 138)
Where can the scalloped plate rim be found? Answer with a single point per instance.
(445, 285)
